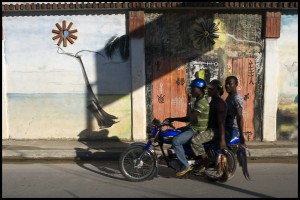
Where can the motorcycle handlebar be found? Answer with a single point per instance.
(168, 124)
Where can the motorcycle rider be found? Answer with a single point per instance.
(197, 118)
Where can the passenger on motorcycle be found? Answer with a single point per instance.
(234, 118)
(217, 113)
(197, 118)
(216, 121)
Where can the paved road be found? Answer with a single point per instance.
(103, 179)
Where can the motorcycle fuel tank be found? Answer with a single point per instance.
(168, 135)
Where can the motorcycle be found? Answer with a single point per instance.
(139, 162)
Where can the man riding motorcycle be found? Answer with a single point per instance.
(197, 118)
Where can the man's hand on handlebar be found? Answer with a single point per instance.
(168, 120)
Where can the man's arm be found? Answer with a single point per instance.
(222, 111)
(179, 119)
(240, 119)
(191, 115)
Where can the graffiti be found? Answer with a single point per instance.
(239, 87)
(161, 87)
(160, 112)
(176, 114)
(214, 73)
(246, 97)
(250, 72)
(200, 65)
(229, 68)
(161, 98)
(180, 81)
(213, 68)
(245, 114)
(248, 135)
(177, 101)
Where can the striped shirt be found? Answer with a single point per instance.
(201, 105)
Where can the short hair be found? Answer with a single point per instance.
(217, 84)
(234, 78)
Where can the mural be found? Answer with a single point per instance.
(203, 33)
(287, 113)
(210, 46)
(104, 119)
(48, 93)
(64, 33)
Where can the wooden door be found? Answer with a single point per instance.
(169, 89)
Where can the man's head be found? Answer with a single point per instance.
(198, 86)
(231, 83)
(215, 88)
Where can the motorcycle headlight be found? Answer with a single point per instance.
(150, 132)
(148, 129)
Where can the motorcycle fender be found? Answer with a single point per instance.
(144, 145)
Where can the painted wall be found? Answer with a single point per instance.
(46, 91)
(287, 112)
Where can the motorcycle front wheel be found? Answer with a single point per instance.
(135, 169)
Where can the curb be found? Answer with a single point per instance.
(59, 154)
(115, 153)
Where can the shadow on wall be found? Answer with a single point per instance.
(162, 42)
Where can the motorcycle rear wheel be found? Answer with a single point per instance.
(133, 171)
(228, 173)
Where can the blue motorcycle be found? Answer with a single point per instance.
(139, 162)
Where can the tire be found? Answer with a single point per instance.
(228, 173)
(230, 166)
(135, 173)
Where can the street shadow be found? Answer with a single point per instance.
(107, 168)
(99, 147)
(166, 172)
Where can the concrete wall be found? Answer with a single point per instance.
(4, 99)
(46, 92)
(138, 95)
(271, 90)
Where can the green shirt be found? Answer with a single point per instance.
(201, 105)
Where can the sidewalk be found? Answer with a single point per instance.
(73, 149)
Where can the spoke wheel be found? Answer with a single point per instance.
(226, 174)
(134, 169)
